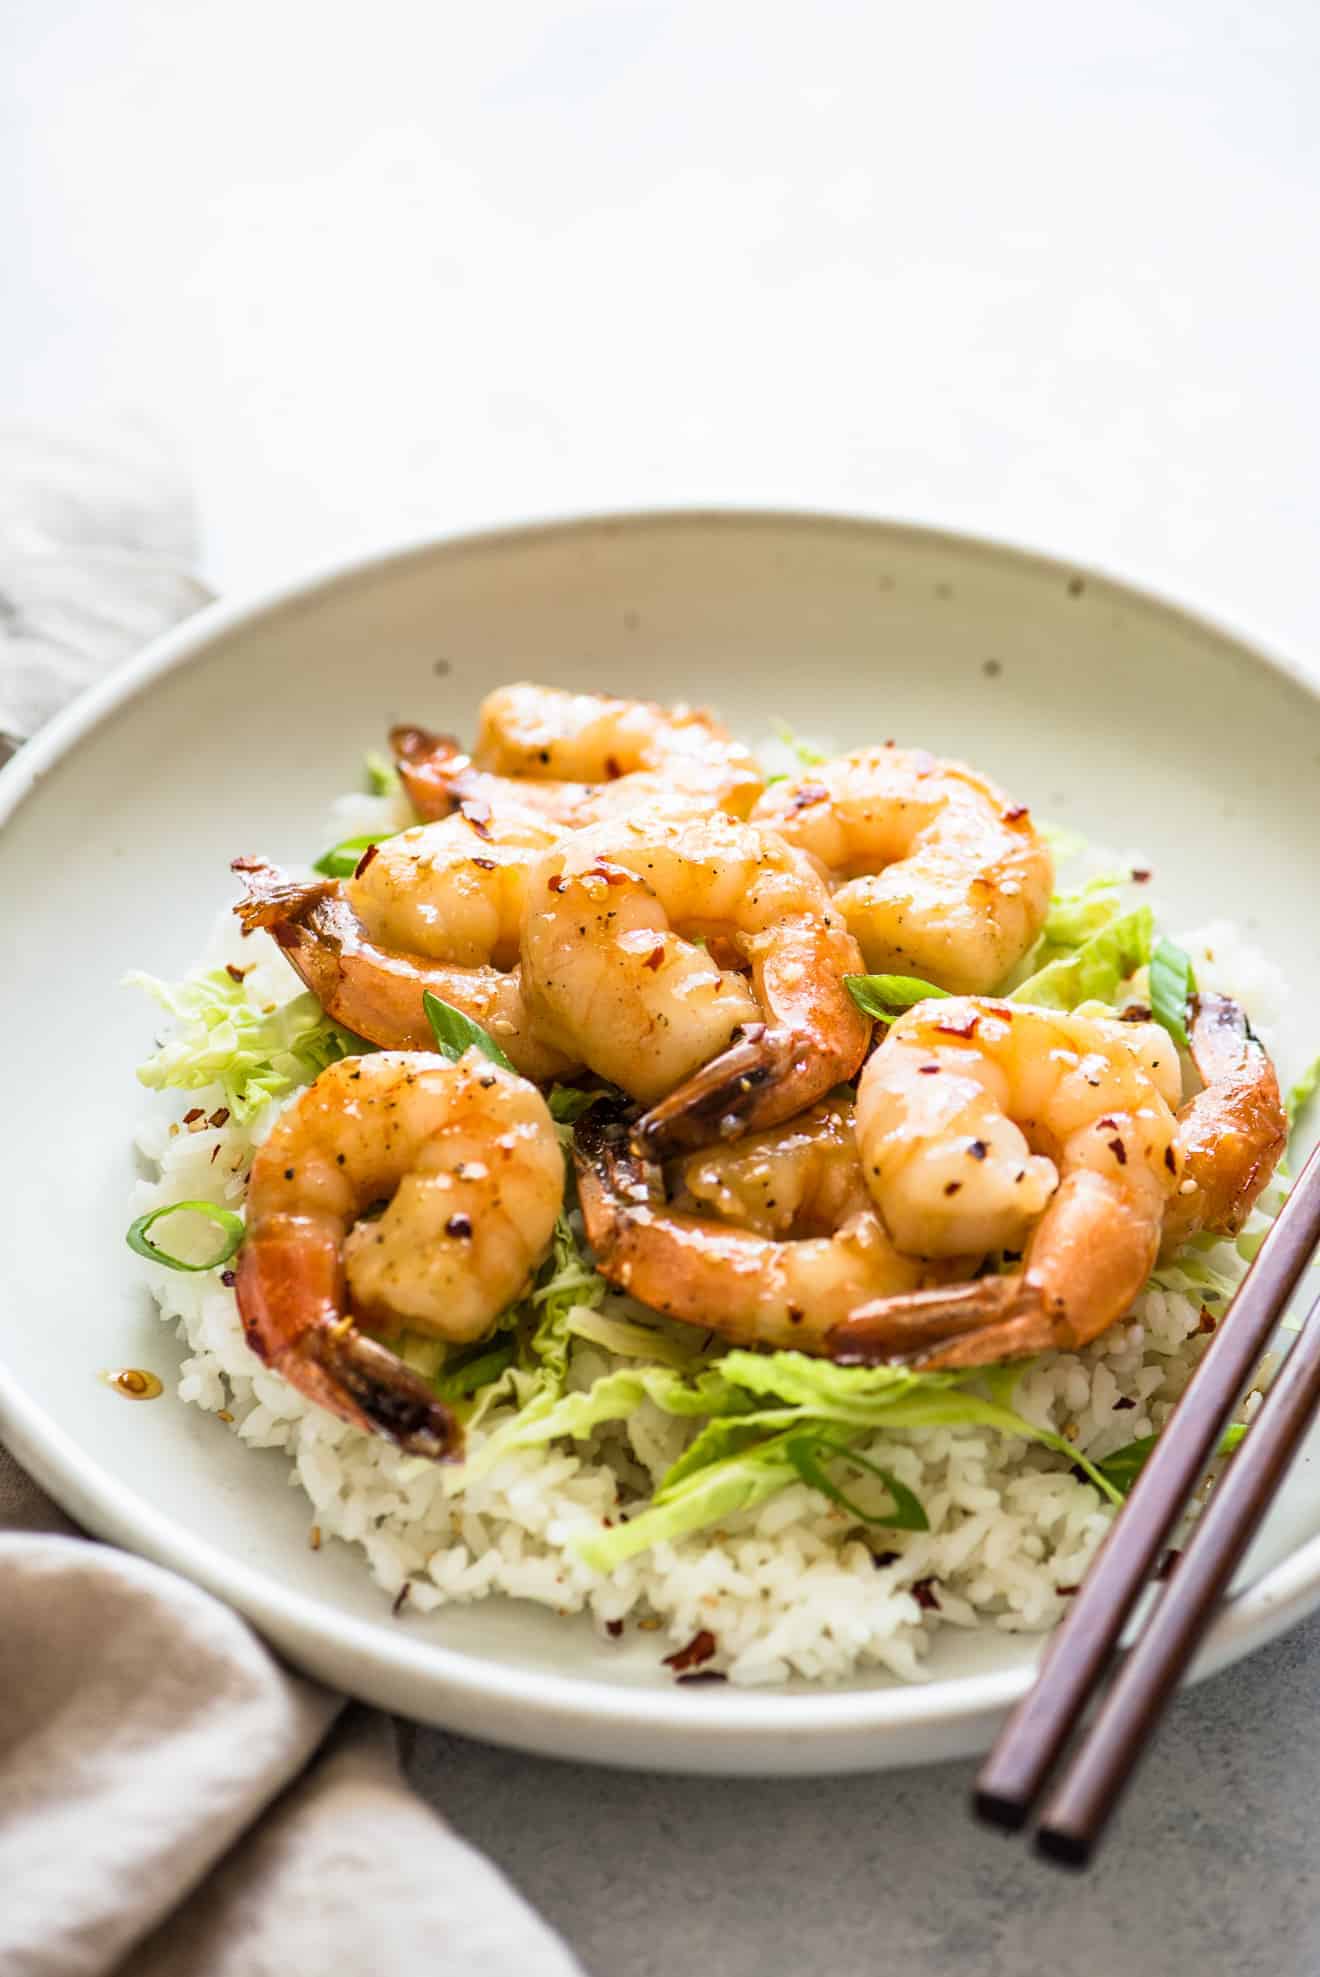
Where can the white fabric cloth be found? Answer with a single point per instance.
(173, 1801)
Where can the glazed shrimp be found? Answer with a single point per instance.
(938, 875)
(794, 1242)
(438, 907)
(466, 1157)
(614, 972)
(579, 758)
(978, 1119)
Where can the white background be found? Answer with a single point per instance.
(1047, 272)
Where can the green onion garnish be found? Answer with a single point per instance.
(456, 1033)
(342, 860)
(881, 995)
(459, 1381)
(1172, 986)
(907, 1514)
(224, 1219)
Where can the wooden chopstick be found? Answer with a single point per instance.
(1033, 1738)
(1079, 1810)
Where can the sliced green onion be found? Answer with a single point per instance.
(881, 995)
(456, 1033)
(1172, 986)
(460, 1380)
(907, 1514)
(381, 775)
(1124, 1466)
(342, 860)
(224, 1219)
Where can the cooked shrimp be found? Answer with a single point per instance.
(466, 1157)
(977, 1119)
(615, 972)
(938, 875)
(811, 1248)
(438, 907)
(1233, 1133)
(580, 758)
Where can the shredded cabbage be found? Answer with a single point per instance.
(1095, 971)
(254, 1055)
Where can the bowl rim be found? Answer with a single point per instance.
(742, 1717)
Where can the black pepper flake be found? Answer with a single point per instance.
(1169, 1160)
(1119, 1151)
(923, 1592)
(1122, 1404)
(1076, 586)
(543, 755)
(486, 1083)
(238, 974)
(992, 668)
(882, 1558)
(340, 1159)
(484, 864)
(613, 1627)
(613, 769)
(702, 1675)
(978, 1149)
(700, 1648)
(809, 794)
(1067, 1592)
(459, 1225)
(401, 1598)
(952, 1187)
(364, 860)
(288, 1173)
(229, 1278)
(795, 1315)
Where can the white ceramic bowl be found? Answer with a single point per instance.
(1106, 709)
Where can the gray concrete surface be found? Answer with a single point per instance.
(1212, 1868)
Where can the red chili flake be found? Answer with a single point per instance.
(614, 1628)
(478, 815)
(613, 875)
(1122, 1404)
(1169, 1160)
(214, 1151)
(703, 1675)
(459, 1225)
(364, 861)
(1015, 813)
(228, 1278)
(220, 1117)
(923, 1592)
(559, 883)
(238, 974)
(929, 1070)
(808, 794)
(1207, 1320)
(612, 768)
(189, 1117)
(484, 864)
(978, 1149)
(656, 956)
(700, 1648)
(401, 1598)
(1066, 1592)
(960, 1026)
(1119, 1151)
(1136, 1012)
(952, 1187)
(1167, 1564)
(1140, 875)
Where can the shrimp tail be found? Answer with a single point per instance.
(428, 766)
(921, 1327)
(271, 897)
(721, 1100)
(1231, 1135)
(289, 1268)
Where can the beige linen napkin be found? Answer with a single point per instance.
(173, 1802)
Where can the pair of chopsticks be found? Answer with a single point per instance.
(1080, 1655)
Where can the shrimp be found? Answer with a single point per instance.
(468, 1161)
(809, 1250)
(579, 758)
(988, 1125)
(937, 873)
(632, 944)
(438, 907)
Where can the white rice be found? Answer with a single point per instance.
(787, 1589)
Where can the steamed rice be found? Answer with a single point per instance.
(786, 1589)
